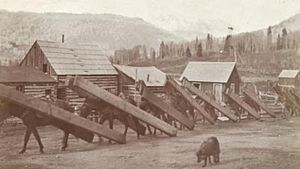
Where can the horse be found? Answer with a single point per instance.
(109, 113)
(32, 120)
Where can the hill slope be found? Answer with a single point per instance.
(20, 29)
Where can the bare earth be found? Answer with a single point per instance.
(245, 145)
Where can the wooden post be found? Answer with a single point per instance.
(168, 109)
(210, 101)
(12, 96)
(87, 89)
(257, 101)
(190, 100)
(243, 104)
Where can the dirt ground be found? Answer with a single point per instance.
(244, 145)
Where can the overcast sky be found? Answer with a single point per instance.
(245, 14)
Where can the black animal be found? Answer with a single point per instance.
(109, 113)
(209, 147)
(31, 120)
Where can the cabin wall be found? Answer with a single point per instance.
(234, 82)
(38, 90)
(287, 81)
(108, 82)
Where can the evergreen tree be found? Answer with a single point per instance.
(278, 43)
(199, 50)
(284, 40)
(269, 38)
(188, 52)
(162, 50)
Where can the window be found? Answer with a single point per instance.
(48, 92)
(197, 85)
(44, 68)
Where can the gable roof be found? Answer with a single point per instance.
(288, 73)
(156, 76)
(67, 59)
(17, 74)
(218, 72)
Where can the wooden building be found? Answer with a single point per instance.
(213, 77)
(153, 78)
(289, 78)
(60, 60)
(28, 80)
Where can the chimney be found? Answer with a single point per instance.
(148, 78)
(63, 38)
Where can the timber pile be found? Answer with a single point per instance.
(87, 89)
(47, 109)
(167, 108)
(187, 96)
(224, 110)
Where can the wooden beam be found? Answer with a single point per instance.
(243, 104)
(190, 99)
(257, 101)
(87, 89)
(166, 108)
(210, 101)
(46, 109)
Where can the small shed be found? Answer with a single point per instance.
(289, 78)
(213, 77)
(153, 78)
(28, 81)
(60, 60)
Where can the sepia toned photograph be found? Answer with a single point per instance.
(149, 84)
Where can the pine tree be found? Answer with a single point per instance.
(199, 50)
(269, 38)
(162, 50)
(188, 52)
(278, 43)
(284, 40)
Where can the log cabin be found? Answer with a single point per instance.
(213, 78)
(28, 80)
(153, 78)
(60, 60)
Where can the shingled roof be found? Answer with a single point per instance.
(17, 74)
(289, 73)
(68, 59)
(215, 72)
(156, 76)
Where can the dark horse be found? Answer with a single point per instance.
(109, 113)
(32, 120)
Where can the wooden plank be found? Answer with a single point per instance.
(210, 101)
(166, 108)
(243, 104)
(260, 103)
(87, 89)
(47, 109)
(191, 100)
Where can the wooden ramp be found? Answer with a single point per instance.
(243, 104)
(190, 99)
(210, 101)
(258, 102)
(87, 89)
(166, 108)
(46, 109)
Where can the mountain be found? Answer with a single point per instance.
(18, 30)
(190, 28)
(292, 24)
